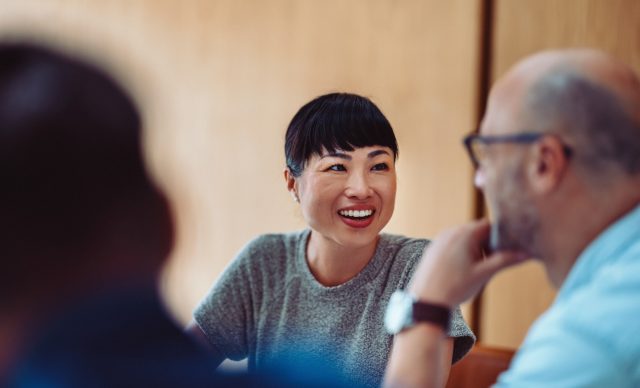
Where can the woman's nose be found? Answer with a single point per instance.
(358, 186)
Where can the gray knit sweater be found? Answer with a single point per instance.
(267, 305)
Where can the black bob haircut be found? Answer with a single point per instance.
(335, 121)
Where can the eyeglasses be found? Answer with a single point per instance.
(475, 143)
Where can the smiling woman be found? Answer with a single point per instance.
(320, 294)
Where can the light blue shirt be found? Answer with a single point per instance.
(590, 336)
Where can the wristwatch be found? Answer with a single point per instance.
(404, 311)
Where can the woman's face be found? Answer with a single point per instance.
(347, 197)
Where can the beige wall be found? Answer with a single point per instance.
(515, 298)
(220, 79)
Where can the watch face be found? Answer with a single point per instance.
(398, 314)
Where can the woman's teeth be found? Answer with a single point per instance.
(356, 213)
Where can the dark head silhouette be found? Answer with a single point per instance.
(75, 197)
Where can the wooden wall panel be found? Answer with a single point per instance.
(514, 299)
(220, 80)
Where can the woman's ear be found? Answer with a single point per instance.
(291, 184)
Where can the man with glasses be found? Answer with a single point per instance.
(558, 159)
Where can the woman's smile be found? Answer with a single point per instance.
(359, 216)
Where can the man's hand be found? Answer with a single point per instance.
(453, 267)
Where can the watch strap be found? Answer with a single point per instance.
(432, 313)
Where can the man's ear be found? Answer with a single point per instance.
(547, 165)
(291, 183)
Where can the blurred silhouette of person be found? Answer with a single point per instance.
(84, 232)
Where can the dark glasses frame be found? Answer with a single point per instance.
(473, 140)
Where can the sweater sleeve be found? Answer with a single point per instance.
(463, 337)
(226, 314)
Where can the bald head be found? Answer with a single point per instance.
(591, 65)
(586, 96)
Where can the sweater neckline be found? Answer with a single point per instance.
(367, 274)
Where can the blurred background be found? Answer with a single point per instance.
(219, 80)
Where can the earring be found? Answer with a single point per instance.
(295, 196)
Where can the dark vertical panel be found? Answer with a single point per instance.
(484, 80)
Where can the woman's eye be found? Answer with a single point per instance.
(380, 167)
(337, 167)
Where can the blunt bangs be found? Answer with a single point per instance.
(333, 122)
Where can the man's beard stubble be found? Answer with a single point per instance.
(515, 225)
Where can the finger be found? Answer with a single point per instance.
(479, 236)
(497, 262)
(481, 229)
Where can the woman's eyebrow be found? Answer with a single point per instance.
(342, 155)
(336, 155)
(375, 153)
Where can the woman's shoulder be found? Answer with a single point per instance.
(400, 255)
(403, 243)
(402, 252)
(267, 260)
(271, 251)
(276, 243)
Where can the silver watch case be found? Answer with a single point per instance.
(399, 313)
